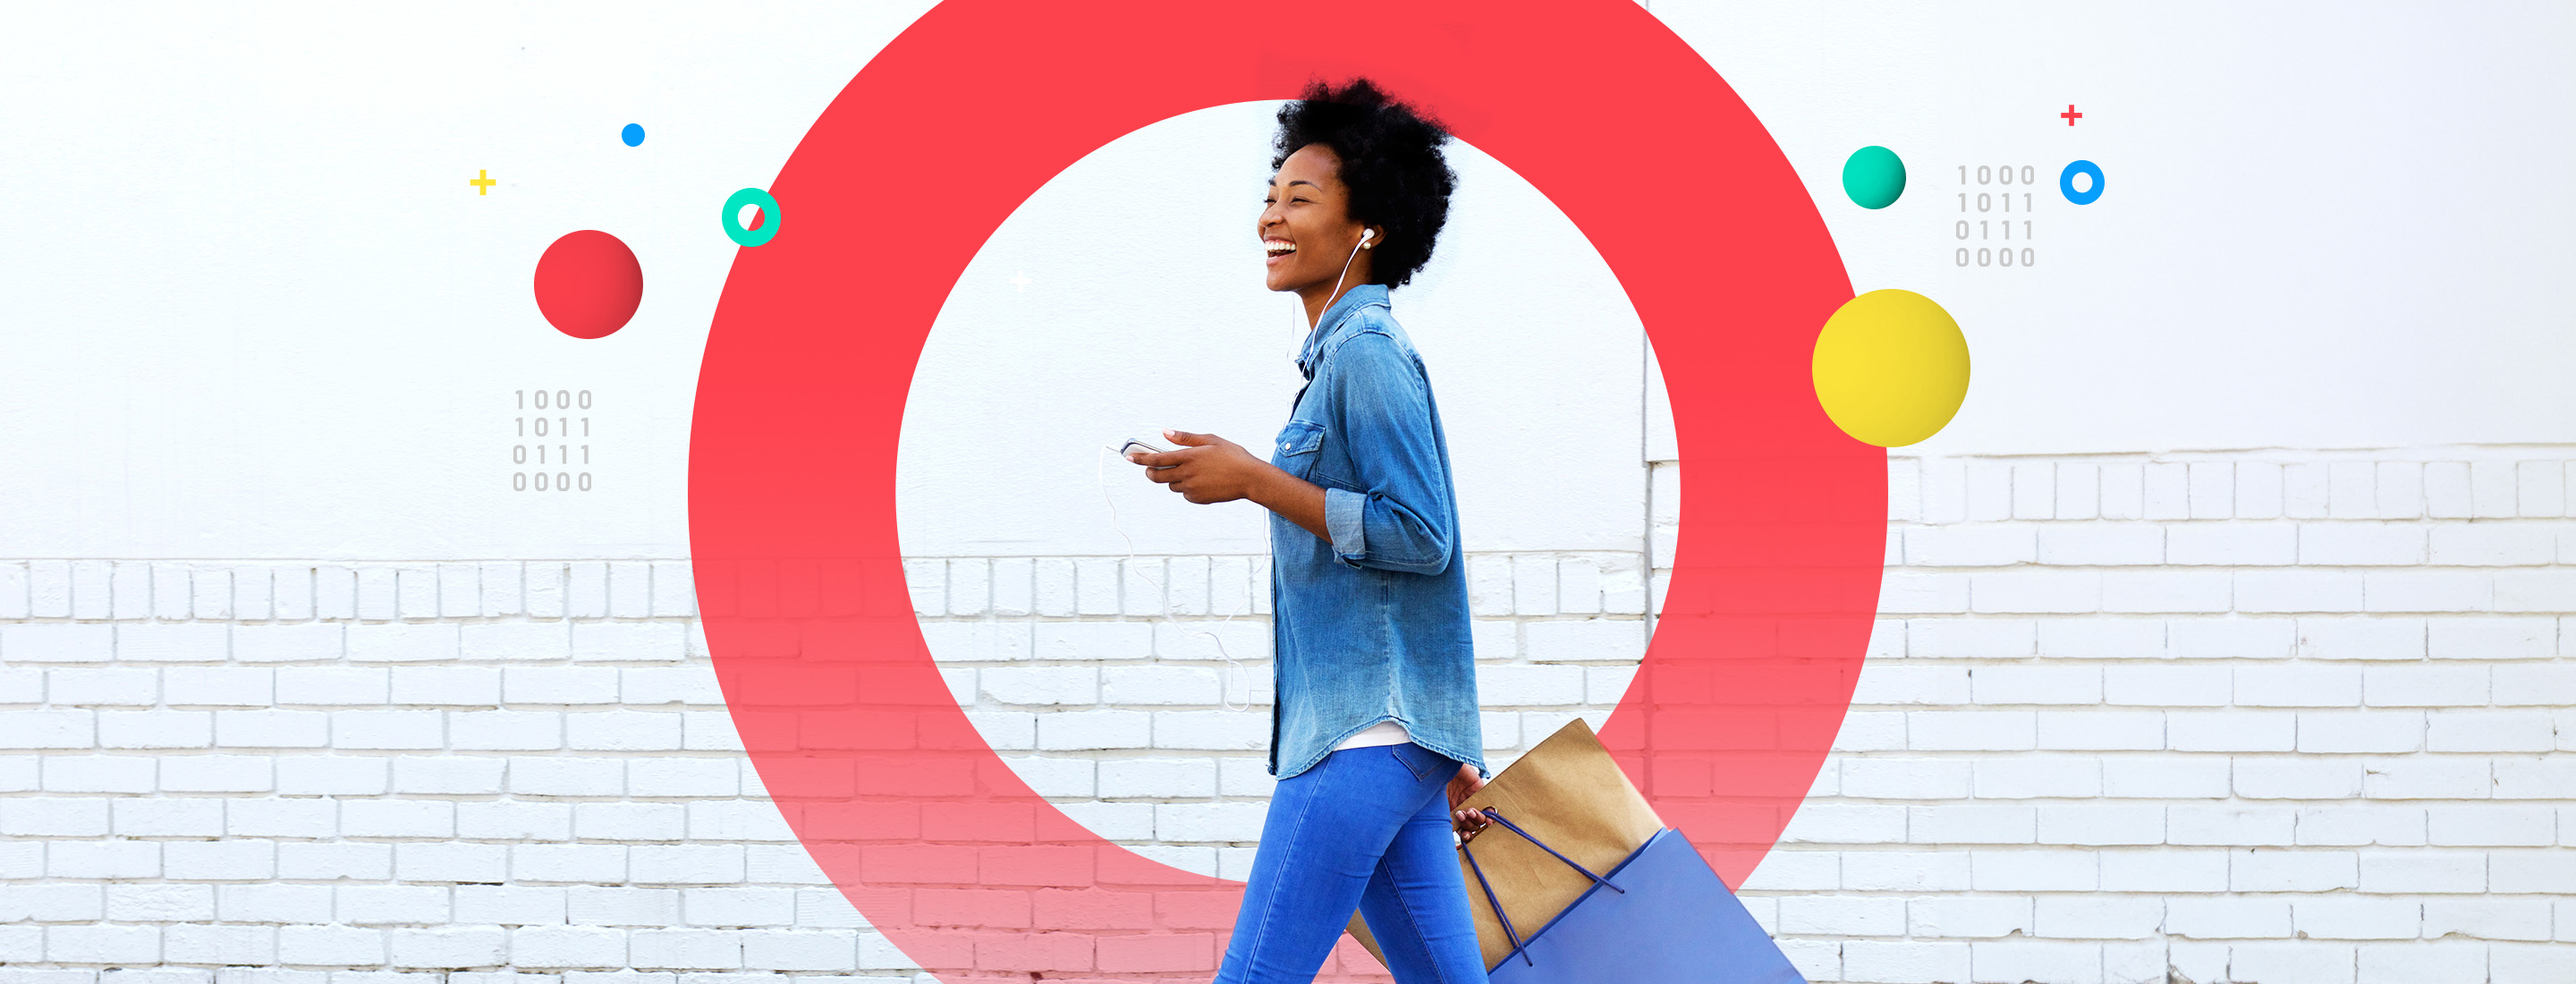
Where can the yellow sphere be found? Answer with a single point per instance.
(1891, 367)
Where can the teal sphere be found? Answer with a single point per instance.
(1874, 177)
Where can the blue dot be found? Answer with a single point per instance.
(633, 134)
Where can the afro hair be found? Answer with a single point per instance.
(1390, 161)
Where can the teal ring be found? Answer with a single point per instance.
(733, 223)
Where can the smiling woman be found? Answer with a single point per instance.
(1118, 299)
(1376, 717)
(811, 358)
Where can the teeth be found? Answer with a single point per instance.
(1277, 248)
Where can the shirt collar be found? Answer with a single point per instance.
(1334, 317)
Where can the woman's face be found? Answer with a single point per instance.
(1306, 226)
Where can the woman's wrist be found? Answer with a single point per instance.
(1295, 499)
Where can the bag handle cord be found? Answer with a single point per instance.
(1509, 932)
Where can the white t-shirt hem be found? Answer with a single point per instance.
(1381, 733)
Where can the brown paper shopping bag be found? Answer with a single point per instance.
(1569, 794)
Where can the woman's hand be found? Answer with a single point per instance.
(1461, 786)
(1206, 468)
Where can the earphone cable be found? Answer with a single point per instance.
(1299, 306)
(1233, 668)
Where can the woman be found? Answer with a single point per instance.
(1375, 716)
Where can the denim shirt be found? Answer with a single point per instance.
(1373, 626)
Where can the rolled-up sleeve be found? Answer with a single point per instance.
(1346, 518)
(1403, 521)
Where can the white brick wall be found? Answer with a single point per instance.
(2288, 718)
(2226, 718)
(383, 771)
(1101, 704)
(373, 774)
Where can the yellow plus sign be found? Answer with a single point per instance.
(482, 182)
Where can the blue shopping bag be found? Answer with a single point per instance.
(1660, 915)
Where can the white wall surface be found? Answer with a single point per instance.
(293, 692)
(256, 311)
(2257, 717)
(1143, 309)
(2275, 718)
(2316, 230)
(267, 317)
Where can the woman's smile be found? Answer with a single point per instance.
(1308, 207)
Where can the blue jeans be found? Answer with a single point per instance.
(1366, 828)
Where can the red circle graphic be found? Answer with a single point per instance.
(810, 358)
(588, 284)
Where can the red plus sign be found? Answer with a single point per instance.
(2070, 115)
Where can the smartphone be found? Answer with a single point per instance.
(1148, 447)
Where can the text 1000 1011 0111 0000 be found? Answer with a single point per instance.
(563, 429)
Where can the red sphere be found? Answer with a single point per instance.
(588, 284)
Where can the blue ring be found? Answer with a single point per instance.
(2066, 182)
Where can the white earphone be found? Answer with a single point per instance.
(1297, 308)
(1366, 234)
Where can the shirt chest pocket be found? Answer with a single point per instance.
(1299, 445)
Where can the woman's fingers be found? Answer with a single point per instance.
(1160, 465)
(1464, 784)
